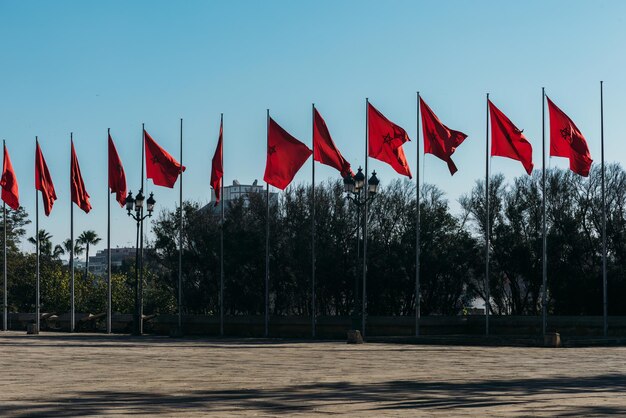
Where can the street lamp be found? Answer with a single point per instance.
(136, 205)
(355, 190)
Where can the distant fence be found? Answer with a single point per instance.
(332, 326)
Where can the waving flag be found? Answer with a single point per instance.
(439, 140)
(324, 150)
(117, 176)
(217, 166)
(386, 140)
(43, 181)
(508, 141)
(161, 167)
(8, 182)
(567, 141)
(79, 193)
(285, 156)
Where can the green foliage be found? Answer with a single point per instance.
(452, 249)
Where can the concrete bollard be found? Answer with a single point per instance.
(552, 339)
(355, 337)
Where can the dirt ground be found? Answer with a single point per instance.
(56, 375)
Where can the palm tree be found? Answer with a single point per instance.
(66, 248)
(45, 243)
(88, 238)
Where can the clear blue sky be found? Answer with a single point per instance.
(85, 66)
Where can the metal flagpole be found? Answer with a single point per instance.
(604, 283)
(140, 284)
(313, 223)
(267, 242)
(487, 304)
(108, 244)
(180, 237)
(72, 303)
(544, 303)
(222, 231)
(37, 287)
(5, 309)
(365, 187)
(5, 301)
(417, 227)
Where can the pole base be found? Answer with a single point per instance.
(355, 337)
(552, 339)
(32, 329)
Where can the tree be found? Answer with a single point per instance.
(88, 238)
(45, 244)
(66, 248)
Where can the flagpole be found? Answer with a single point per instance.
(604, 282)
(5, 299)
(487, 304)
(543, 204)
(72, 303)
(140, 264)
(417, 227)
(222, 231)
(365, 187)
(37, 287)
(180, 237)
(313, 223)
(108, 244)
(267, 240)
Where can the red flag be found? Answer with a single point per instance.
(77, 185)
(161, 167)
(324, 149)
(217, 166)
(567, 141)
(385, 141)
(285, 156)
(508, 141)
(8, 182)
(117, 176)
(43, 181)
(439, 140)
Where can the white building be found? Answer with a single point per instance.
(237, 191)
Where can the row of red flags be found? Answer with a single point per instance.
(161, 167)
(286, 154)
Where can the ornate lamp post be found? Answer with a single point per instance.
(357, 192)
(136, 205)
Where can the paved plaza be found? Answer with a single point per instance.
(66, 375)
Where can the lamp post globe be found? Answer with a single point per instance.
(130, 202)
(372, 184)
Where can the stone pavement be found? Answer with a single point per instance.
(56, 375)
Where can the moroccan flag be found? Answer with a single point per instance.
(285, 156)
(8, 182)
(439, 140)
(117, 176)
(79, 194)
(217, 166)
(567, 141)
(324, 149)
(385, 141)
(43, 182)
(508, 141)
(161, 167)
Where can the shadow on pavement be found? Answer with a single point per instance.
(378, 398)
